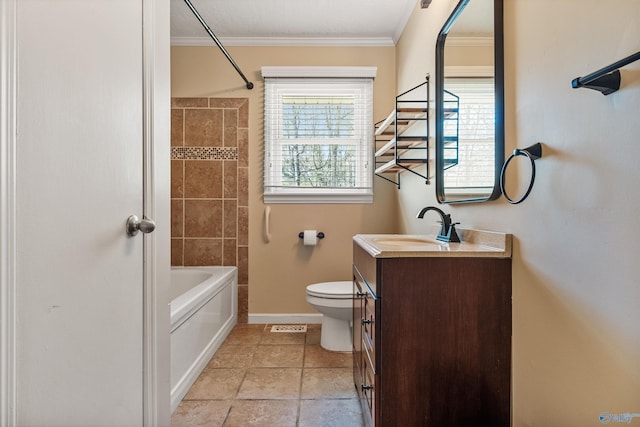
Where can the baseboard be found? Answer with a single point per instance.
(284, 318)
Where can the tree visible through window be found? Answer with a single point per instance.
(323, 159)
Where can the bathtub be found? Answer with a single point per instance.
(204, 309)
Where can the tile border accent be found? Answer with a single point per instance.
(204, 153)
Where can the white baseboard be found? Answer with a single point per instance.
(284, 318)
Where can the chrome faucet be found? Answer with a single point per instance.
(448, 229)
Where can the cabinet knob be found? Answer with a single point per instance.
(366, 387)
(367, 321)
(360, 294)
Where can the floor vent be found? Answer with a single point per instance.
(289, 328)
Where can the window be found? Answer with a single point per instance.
(318, 134)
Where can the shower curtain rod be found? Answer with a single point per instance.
(215, 39)
(607, 79)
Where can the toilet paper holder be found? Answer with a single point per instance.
(320, 235)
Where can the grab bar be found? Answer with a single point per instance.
(215, 39)
(267, 219)
(607, 79)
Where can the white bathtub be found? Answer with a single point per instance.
(204, 309)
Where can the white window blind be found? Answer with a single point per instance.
(476, 166)
(318, 139)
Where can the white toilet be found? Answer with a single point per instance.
(335, 301)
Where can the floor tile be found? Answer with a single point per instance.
(317, 357)
(328, 383)
(330, 413)
(271, 383)
(313, 334)
(245, 334)
(216, 384)
(269, 337)
(263, 413)
(209, 413)
(233, 356)
(263, 378)
(278, 356)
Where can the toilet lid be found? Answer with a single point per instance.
(342, 289)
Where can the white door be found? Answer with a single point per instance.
(79, 311)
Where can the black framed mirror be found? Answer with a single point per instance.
(470, 103)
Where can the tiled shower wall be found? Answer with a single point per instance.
(209, 186)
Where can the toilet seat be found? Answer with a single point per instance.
(331, 290)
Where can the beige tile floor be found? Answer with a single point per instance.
(260, 378)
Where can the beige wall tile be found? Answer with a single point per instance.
(202, 252)
(177, 127)
(230, 127)
(243, 115)
(230, 179)
(177, 218)
(243, 265)
(243, 303)
(177, 179)
(203, 179)
(177, 251)
(243, 225)
(189, 102)
(243, 186)
(230, 252)
(230, 218)
(203, 128)
(210, 227)
(226, 102)
(243, 147)
(202, 218)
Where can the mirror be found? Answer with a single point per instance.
(470, 103)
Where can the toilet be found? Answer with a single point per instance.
(335, 301)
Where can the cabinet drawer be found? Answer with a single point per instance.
(369, 388)
(366, 265)
(369, 325)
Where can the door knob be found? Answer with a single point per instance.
(134, 224)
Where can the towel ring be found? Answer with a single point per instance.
(533, 153)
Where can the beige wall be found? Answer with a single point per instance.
(576, 275)
(280, 270)
(469, 55)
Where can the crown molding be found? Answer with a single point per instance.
(324, 72)
(287, 41)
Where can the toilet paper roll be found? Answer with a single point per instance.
(310, 238)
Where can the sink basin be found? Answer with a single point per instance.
(404, 241)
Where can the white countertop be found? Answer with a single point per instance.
(474, 243)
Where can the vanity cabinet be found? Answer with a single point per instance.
(432, 339)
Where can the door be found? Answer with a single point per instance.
(79, 296)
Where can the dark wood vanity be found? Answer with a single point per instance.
(432, 335)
